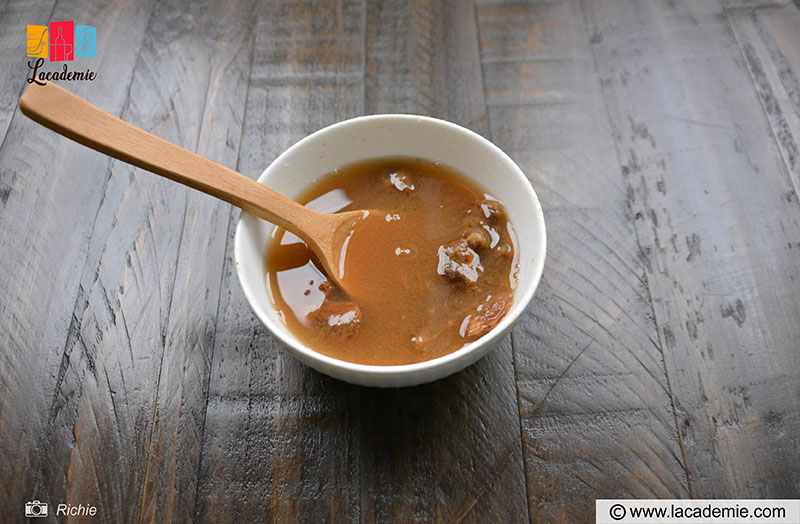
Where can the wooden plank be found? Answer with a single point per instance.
(51, 191)
(115, 363)
(717, 221)
(770, 42)
(423, 58)
(309, 446)
(597, 418)
(450, 450)
(175, 446)
(16, 15)
(281, 441)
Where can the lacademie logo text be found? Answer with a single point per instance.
(60, 42)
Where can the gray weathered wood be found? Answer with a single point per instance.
(770, 46)
(659, 357)
(422, 57)
(177, 433)
(102, 428)
(717, 219)
(280, 440)
(43, 254)
(594, 398)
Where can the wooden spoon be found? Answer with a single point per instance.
(75, 118)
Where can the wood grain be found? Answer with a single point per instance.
(43, 254)
(771, 49)
(594, 397)
(281, 441)
(101, 424)
(176, 440)
(717, 217)
(422, 57)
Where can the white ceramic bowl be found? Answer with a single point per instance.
(395, 135)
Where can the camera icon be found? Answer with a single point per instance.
(35, 508)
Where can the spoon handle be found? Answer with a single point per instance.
(75, 118)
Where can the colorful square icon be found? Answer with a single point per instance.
(62, 41)
(85, 41)
(37, 40)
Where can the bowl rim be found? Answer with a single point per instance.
(519, 306)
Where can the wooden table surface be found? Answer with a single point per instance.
(659, 358)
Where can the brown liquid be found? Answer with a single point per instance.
(419, 293)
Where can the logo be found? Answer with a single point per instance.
(35, 508)
(60, 42)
